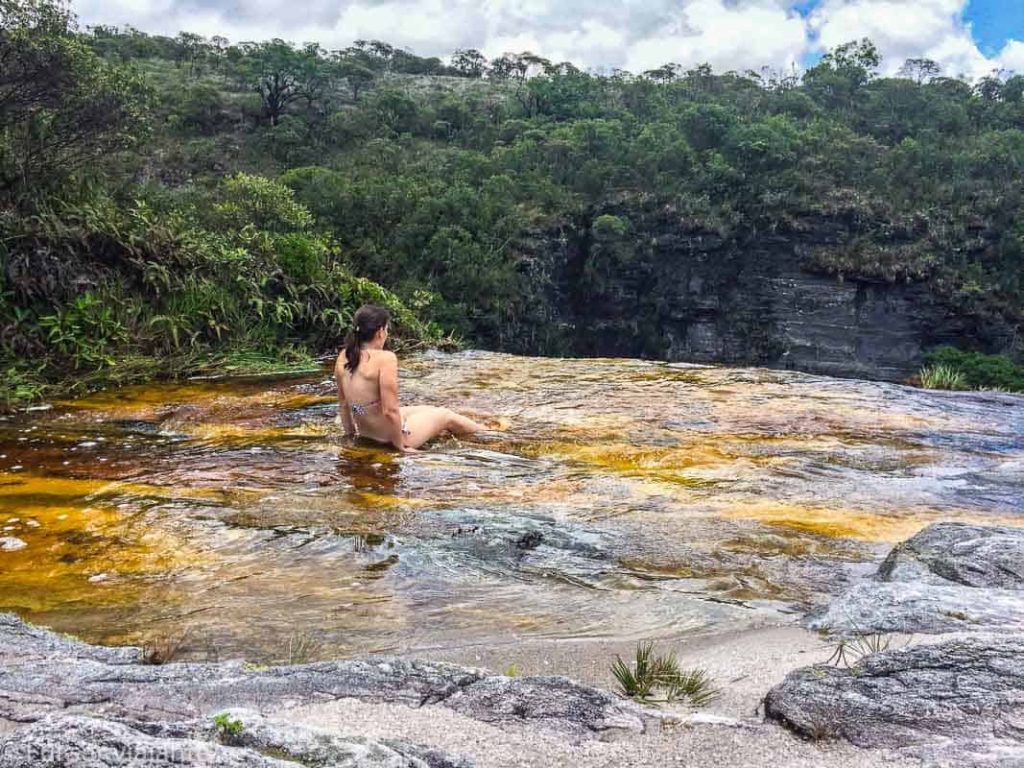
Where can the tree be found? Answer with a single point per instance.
(357, 75)
(62, 107)
(920, 70)
(469, 63)
(191, 50)
(836, 80)
(282, 74)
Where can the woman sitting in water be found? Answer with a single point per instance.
(367, 378)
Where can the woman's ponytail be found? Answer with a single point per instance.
(367, 321)
(352, 352)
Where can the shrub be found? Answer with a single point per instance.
(978, 371)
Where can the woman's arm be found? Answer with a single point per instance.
(344, 412)
(389, 398)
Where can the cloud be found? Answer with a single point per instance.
(930, 29)
(1011, 58)
(600, 34)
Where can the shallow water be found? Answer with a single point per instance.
(612, 499)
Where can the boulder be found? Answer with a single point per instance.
(959, 553)
(950, 577)
(960, 701)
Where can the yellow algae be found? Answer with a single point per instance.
(240, 434)
(78, 551)
(20, 489)
(852, 523)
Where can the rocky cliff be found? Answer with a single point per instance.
(628, 282)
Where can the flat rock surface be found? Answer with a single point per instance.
(86, 706)
(959, 553)
(907, 608)
(960, 701)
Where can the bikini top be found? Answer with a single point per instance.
(362, 409)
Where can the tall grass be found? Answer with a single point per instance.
(941, 377)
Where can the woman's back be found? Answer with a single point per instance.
(362, 386)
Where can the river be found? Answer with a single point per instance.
(613, 499)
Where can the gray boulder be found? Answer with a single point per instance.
(950, 577)
(959, 553)
(920, 608)
(960, 701)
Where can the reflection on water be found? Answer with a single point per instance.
(615, 498)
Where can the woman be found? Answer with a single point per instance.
(367, 378)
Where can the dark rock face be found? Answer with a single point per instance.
(961, 701)
(93, 707)
(958, 553)
(950, 577)
(668, 289)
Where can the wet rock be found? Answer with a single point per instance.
(960, 701)
(44, 674)
(530, 540)
(959, 553)
(22, 642)
(11, 544)
(950, 577)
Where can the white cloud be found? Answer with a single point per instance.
(1012, 57)
(903, 29)
(726, 35)
(631, 34)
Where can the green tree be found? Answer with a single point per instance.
(62, 108)
(282, 74)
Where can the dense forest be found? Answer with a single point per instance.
(170, 205)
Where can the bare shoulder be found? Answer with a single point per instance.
(386, 358)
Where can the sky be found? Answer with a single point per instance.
(966, 37)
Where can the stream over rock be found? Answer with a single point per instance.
(612, 499)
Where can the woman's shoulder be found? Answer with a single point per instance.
(382, 356)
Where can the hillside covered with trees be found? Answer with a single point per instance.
(175, 204)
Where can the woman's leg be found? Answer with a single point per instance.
(425, 422)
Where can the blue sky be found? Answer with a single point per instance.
(994, 22)
(971, 38)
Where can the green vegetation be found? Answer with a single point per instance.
(940, 377)
(169, 204)
(651, 674)
(228, 728)
(950, 368)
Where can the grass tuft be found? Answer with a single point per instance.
(941, 377)
(651, 674)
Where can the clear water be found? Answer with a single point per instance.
(613, 499)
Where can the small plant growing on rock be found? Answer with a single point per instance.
(941, 377)
(228, 728)
(851, 648)
(651, 674)
(302, 648)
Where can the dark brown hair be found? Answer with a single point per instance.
(367, 320)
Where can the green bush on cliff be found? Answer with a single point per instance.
(973, 370)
